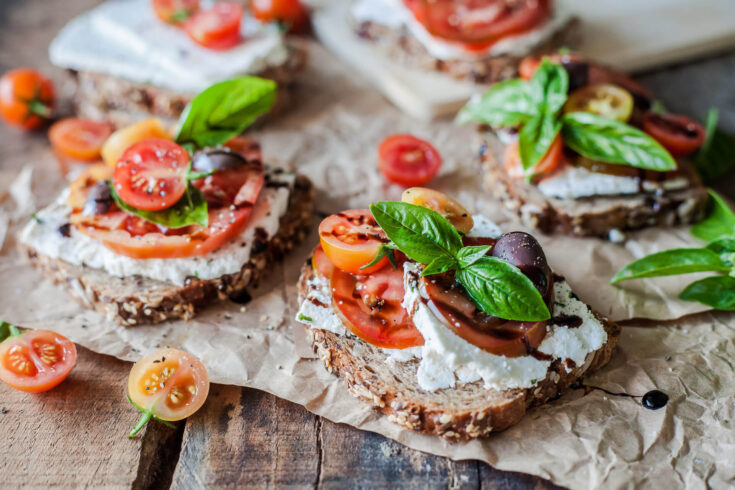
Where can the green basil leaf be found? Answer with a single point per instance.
(549, 86)
(420, 233)
(505, 104)
(725, 248)
(385, 250)
(611, 141)
(716, 157)
(224, 110)
(439, 265)
(672, 262)
(500, 289)
(191, 209)
(720, 221)
(535, 139)
(4, 330)
(469, 255)
(717, 292)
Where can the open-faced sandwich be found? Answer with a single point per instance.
(443, 323)
(175, 222)
(133, 59)
(579, 148)
(475, 40)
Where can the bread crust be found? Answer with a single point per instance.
(461, 413)
(137, 300)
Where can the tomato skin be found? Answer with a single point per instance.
(351, 239)
(289, 12)
(437, 201)
(678, 134)
(47, 357)
(321, 263)
(407, 160)
(175, 11)
(124, 138)
(604, 99)
(216, 28)
(80, 139)
(550, 162)
(27, 98)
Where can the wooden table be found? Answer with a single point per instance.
(74, 436)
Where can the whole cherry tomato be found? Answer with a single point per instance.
(26, 98)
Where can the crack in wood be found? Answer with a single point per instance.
(159, 456)
(319, 451)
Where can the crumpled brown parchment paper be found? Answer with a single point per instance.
(585, 439)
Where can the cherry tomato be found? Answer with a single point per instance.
(407, 160)
(289, 12)
(678, 134)
(372, 310)
(602, 74)
(80, 139)
(26, 98)
(442, 204)
(175, 11)
(551, 161)
(217, 27)
(235, 180)
(151, 175)
(36, 360)
(528, 65)
(351, 239)
(249, 148)
(124, 138)
(603, 99)
(321, 263)
(167, 385)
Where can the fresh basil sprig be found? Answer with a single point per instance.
(497, 287)
(716, 156)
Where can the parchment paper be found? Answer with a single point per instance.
(580, 440)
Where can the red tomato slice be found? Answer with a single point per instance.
(407, 160)
(550, 162)
(77, 138)
(371, 308)
(151, 175)
(321, 262)
(289, 12)
(351, 239)
(36, 360)
(678, 134)
(216, 28)
(175, 11)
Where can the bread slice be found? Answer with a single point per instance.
(460, 413)
(592, 216)
(139, 300)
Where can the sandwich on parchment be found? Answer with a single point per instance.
(442, 322)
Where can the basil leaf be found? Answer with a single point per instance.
(717, 292)
(716, 157)
(385, 250)
(505, 104)
(420, 233)
(469, 255)
(725, 248)
(439, 265)
(672, 262)
(224, 110)
(501, 289)
(720, 221)
(4, 330)
(611, 141)
(535, 139)
(191, 209)
(549, 86)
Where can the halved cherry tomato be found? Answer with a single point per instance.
(26, 98)
(151, 175)
(175, 11)
(678, 134)
(124, 138)
(289, 12)
(407, 160)
(603, 99)
(372, 310)
(437, 201)
(77, 138)
(36, 360)
(553, 158)
(351, 239)
(217, 27)
(321, 263)
(235, 181)
(602, 74)
(167, 385)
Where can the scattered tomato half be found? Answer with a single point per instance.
(678, 134)
(124, 138)
(36, 360)
(217, 27)
(175, 11)
(550, 162)
(407, 160)
(292, 13)
(352, 239)
(80, 139)
(26, 98)
(437, 201)
(167, 385)
(604, 99)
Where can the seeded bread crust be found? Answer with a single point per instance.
(138, 300)
(460, 413)
(594, 216)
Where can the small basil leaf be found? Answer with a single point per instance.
(505, 104)
(439, 265)
(720, 221)
(4, 330)
(469, 255)
(535, 138)
(716, 157)
(611, 141)
(717, 292)
(501, 289)
(672, 262)
(224, 110)
(191, 209)
(549, 86)
(420, 233)
(385, 250)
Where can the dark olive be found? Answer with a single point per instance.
(523, 251)
(578, 72)
(219, 159)
(99, 199)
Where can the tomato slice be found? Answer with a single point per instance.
(372, 310)
(151, 175)
(77, 138)
(235, 181)
(437, 201)
(289, 12)
(678, 134)
(124, 138)
(321, 263)
(36, 360)
(550, 162)
(407, 160)
(175, 11)
(217, 27)
(351, 239)
(603, 99)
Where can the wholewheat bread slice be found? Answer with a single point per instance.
(463, 412)
(139, 300)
